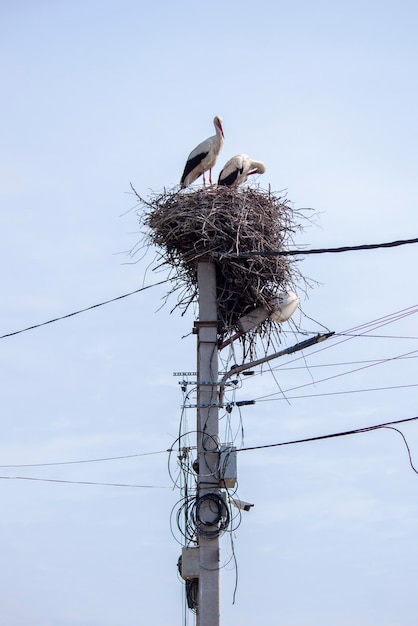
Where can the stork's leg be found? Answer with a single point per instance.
(204, 180)
(210, 176)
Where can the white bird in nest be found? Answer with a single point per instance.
(236, 170)
(204, 156)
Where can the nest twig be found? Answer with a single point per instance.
(213, 223)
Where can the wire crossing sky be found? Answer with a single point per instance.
(369, 246)
(244, 254)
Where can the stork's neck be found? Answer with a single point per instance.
(219, 138)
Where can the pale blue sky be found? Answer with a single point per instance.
(96, 95)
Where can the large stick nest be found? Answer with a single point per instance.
(215, 222)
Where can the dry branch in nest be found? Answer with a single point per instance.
(213, 222)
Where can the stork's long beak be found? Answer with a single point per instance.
(222, 130)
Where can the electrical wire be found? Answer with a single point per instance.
(328, 378)
(220, 516)
(80, 461)
(356, 431)
(360, 331)
(306, 332)
(82, 482)
(345, 433)
(286, 368)
(225, 516)
(406, 445)
(376, 336)
(370, 246)
(334, 393)
(234, 595)
(89, 308)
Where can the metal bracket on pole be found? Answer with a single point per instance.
(299, 346)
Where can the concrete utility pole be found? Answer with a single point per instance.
(208, 612)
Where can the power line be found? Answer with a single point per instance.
(355, 431)
(340, 374)
(340, 364)
(363, 328)
(369, 246)
(362, 331)
(331, 393)
(131, 293)
(172, 449)
(376, 336)
(82, 482)
(78, 462)
(89, 308)
(350, 334)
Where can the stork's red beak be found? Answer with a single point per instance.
(221, 129)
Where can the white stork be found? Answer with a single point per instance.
(237, 170)
(204, 156)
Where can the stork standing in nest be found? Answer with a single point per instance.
(204, 156)
(236, 170)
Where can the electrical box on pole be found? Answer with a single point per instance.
(190, 562)
(227, 467)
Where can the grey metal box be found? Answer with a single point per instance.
(227, 466)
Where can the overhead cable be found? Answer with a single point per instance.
(173, 449)
(332, 393)
(369, 246)
(89, 308)
(82, 482)
(361, 330)
(339, 375)
(79, 461)
(355, 431)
